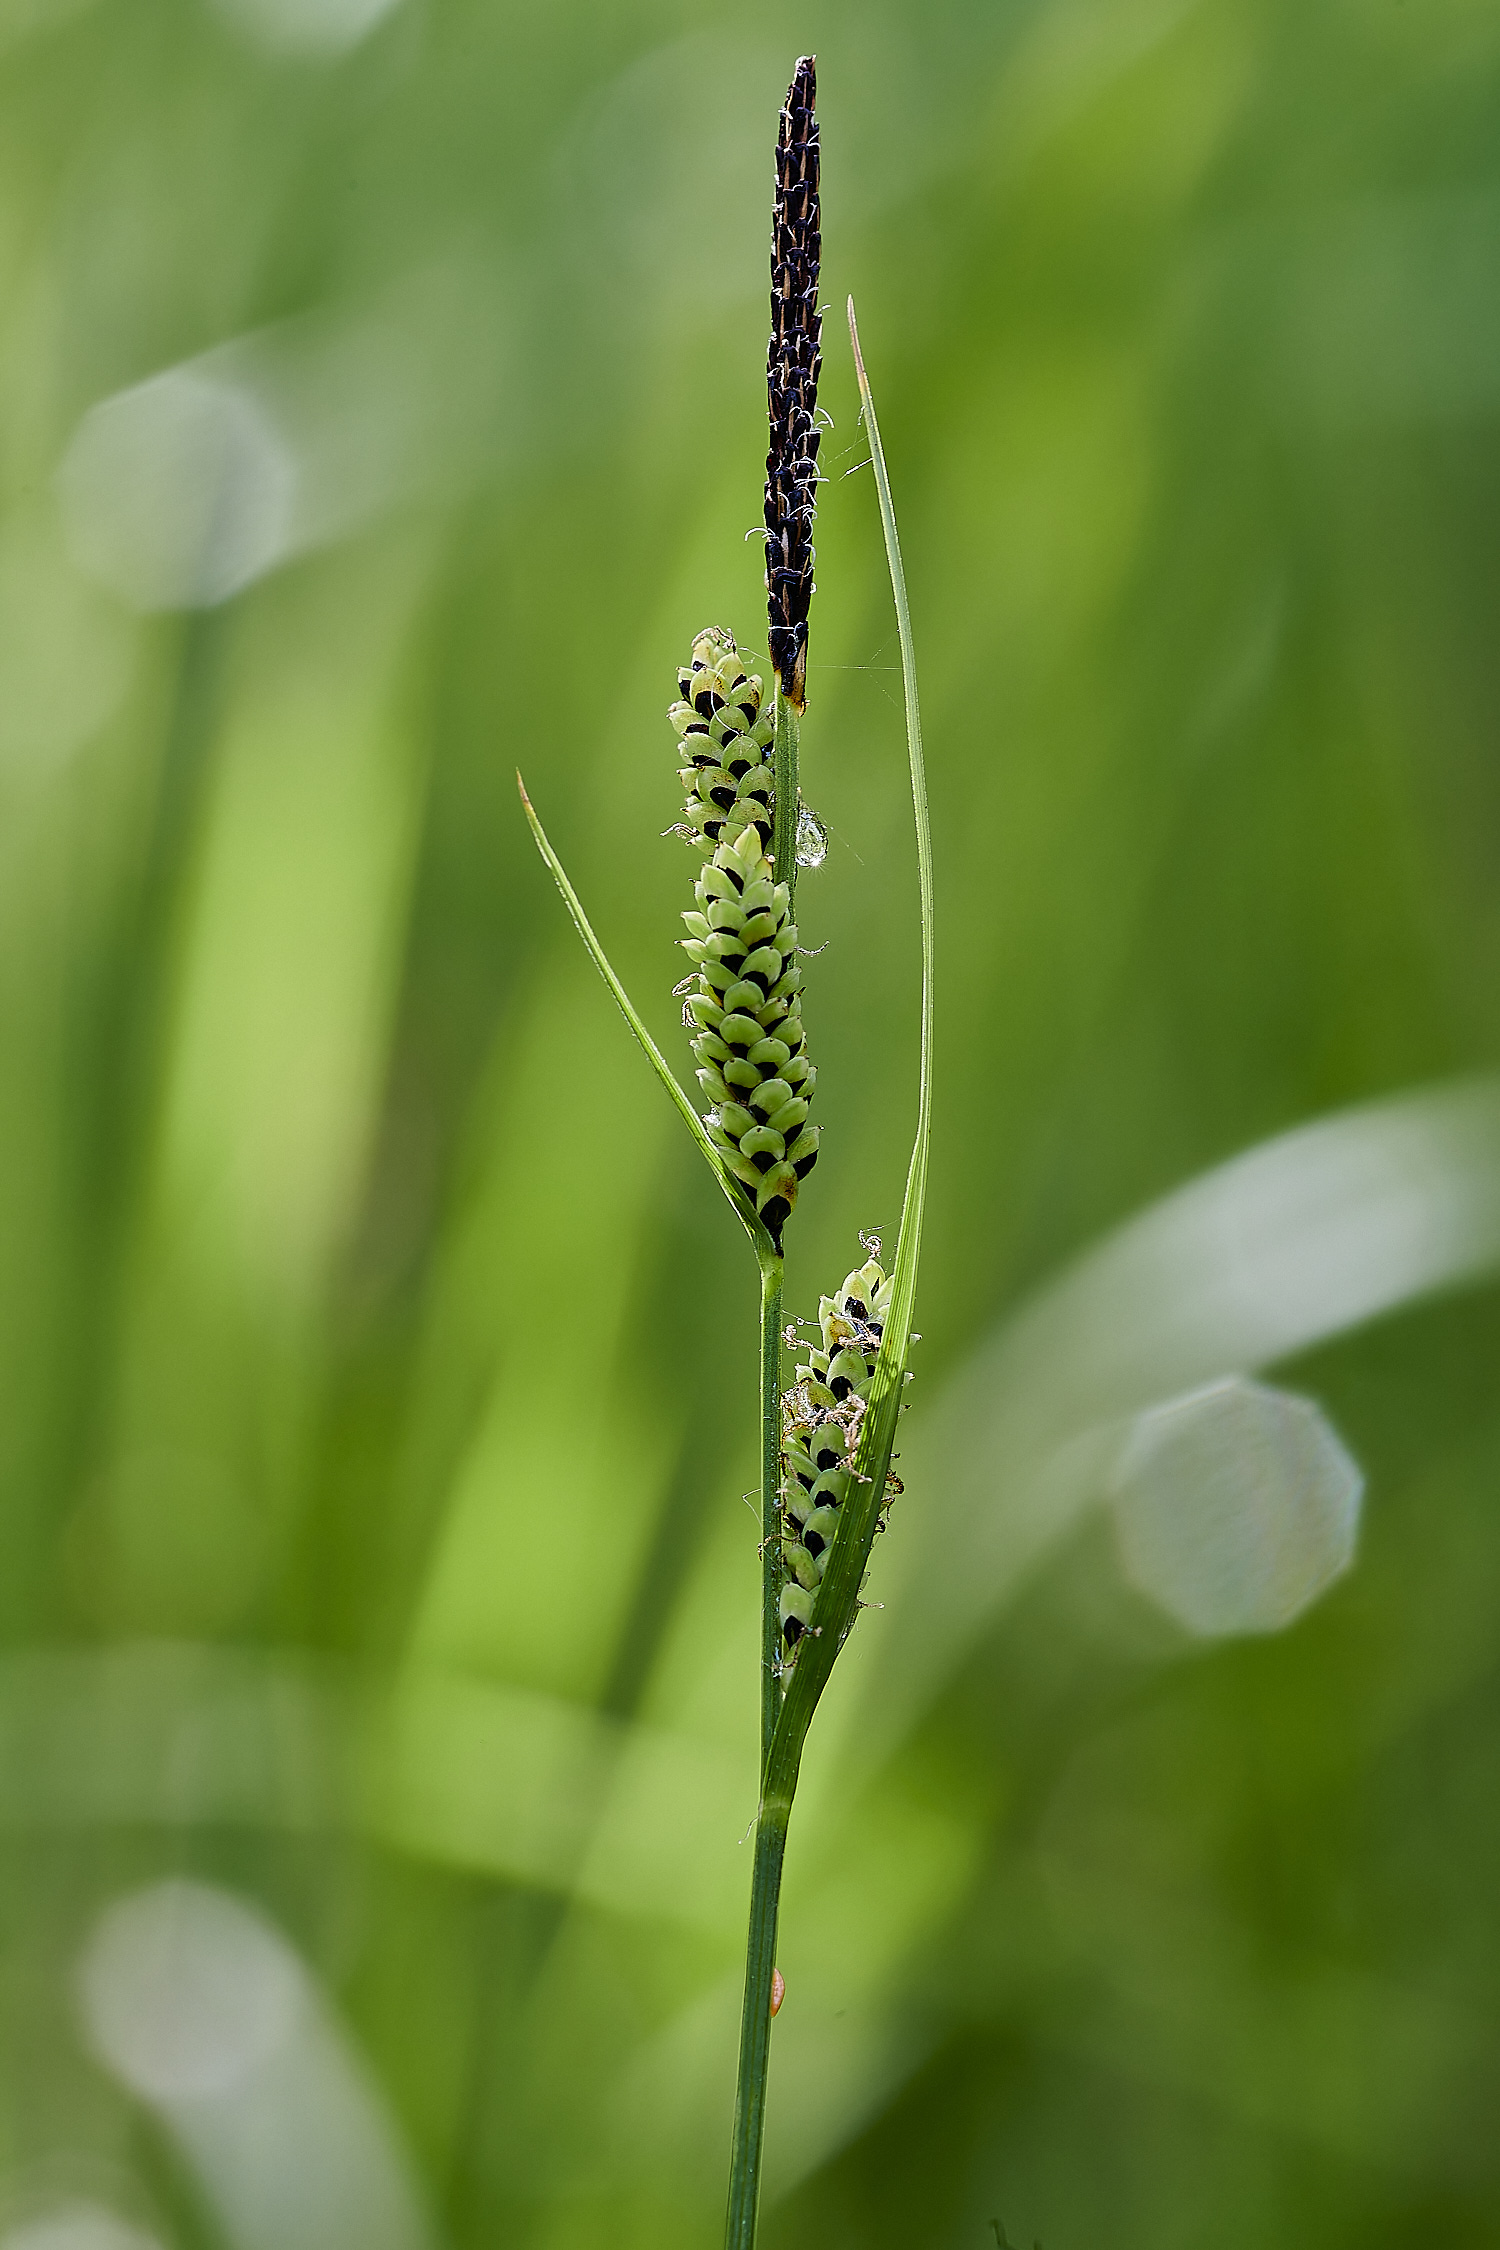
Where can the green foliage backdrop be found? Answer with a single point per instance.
(376, 1357)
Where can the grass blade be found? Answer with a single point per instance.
(760, 1239)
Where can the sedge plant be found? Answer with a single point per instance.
(826, 1441)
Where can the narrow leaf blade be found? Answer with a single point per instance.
(694, 1123)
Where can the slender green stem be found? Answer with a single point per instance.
(755, 2024)
(770, 1827)
(784, 860)
(784, 835)
(770, 1831)
(778, 1789)
(770, 1501)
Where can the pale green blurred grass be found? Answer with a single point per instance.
(364, 1317)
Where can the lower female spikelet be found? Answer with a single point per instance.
(821, 1416)
(746, 1009)
(724, 744)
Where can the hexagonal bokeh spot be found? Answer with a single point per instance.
(1235, 1506)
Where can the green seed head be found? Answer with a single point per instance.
(745, 1006)
(821, 1417)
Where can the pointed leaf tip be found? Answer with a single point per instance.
(854, 344)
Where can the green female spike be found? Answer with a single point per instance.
(745, 1004)
(821, 1417)
(724, 744)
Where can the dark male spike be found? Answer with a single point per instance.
(793, 363)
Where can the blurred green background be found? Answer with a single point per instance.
(381, 397)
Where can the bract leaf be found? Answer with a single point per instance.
(760, 1239)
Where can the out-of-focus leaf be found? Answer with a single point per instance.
(1235, 1506)
(1293, 1242)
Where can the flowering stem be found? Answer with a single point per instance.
(771, 1821)
(788, 800)
(770, 1499)
(755, 2024)
(784, 860)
